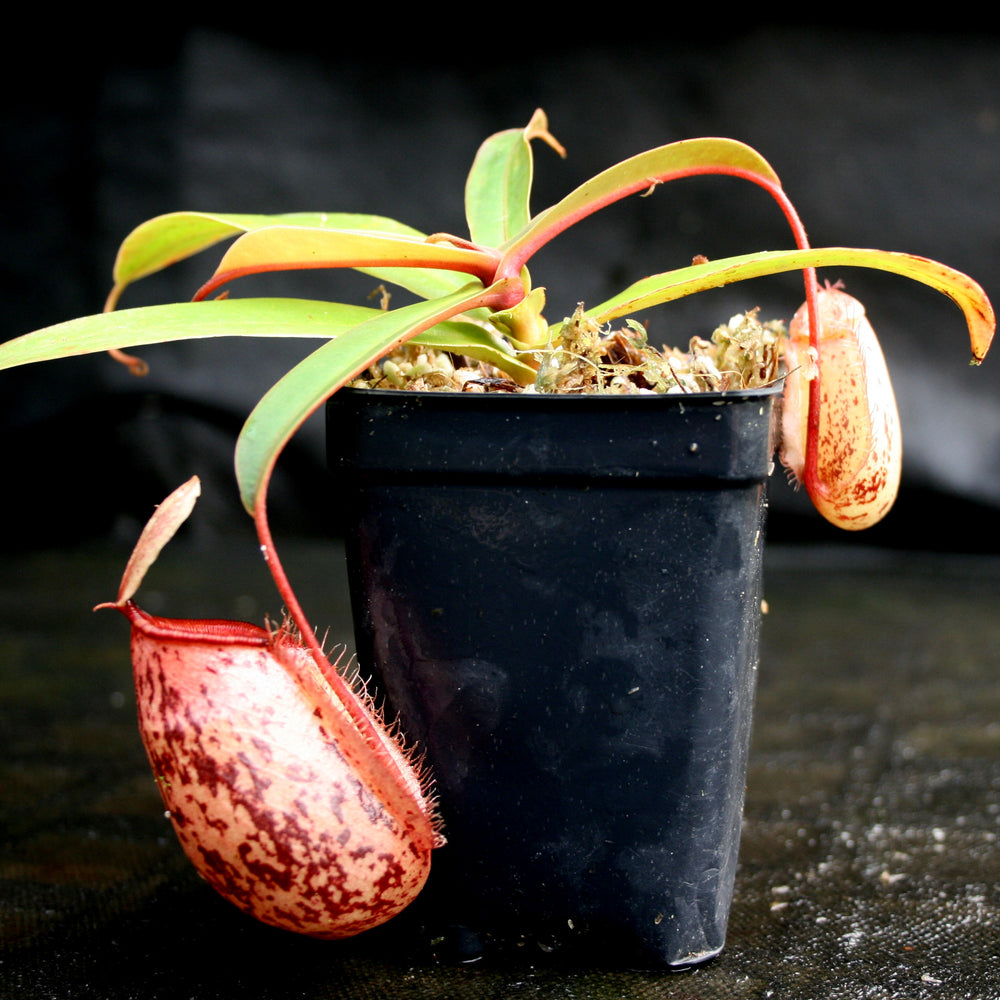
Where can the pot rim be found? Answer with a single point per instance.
(385, 434)
(581, 400)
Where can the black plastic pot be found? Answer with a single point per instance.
(560, 596)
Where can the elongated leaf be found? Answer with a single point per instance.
(238, 318)
(498, 188)
(278, 248)
(183, 321)
(289, 403)
(169, 238)
(959, 287)
(166, 239)
(640, 173)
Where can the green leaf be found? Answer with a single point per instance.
(659, 288)
(166, 239)
(475, 342)
(276, 248)
(309, 384)
(162, 241)
(498, 188)
(640, 173)
(184, 321)
(129, 328)
(425, 282)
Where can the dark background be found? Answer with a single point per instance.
(883, 137)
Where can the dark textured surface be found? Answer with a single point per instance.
(869, 869)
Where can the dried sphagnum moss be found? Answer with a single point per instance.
(741, 354)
